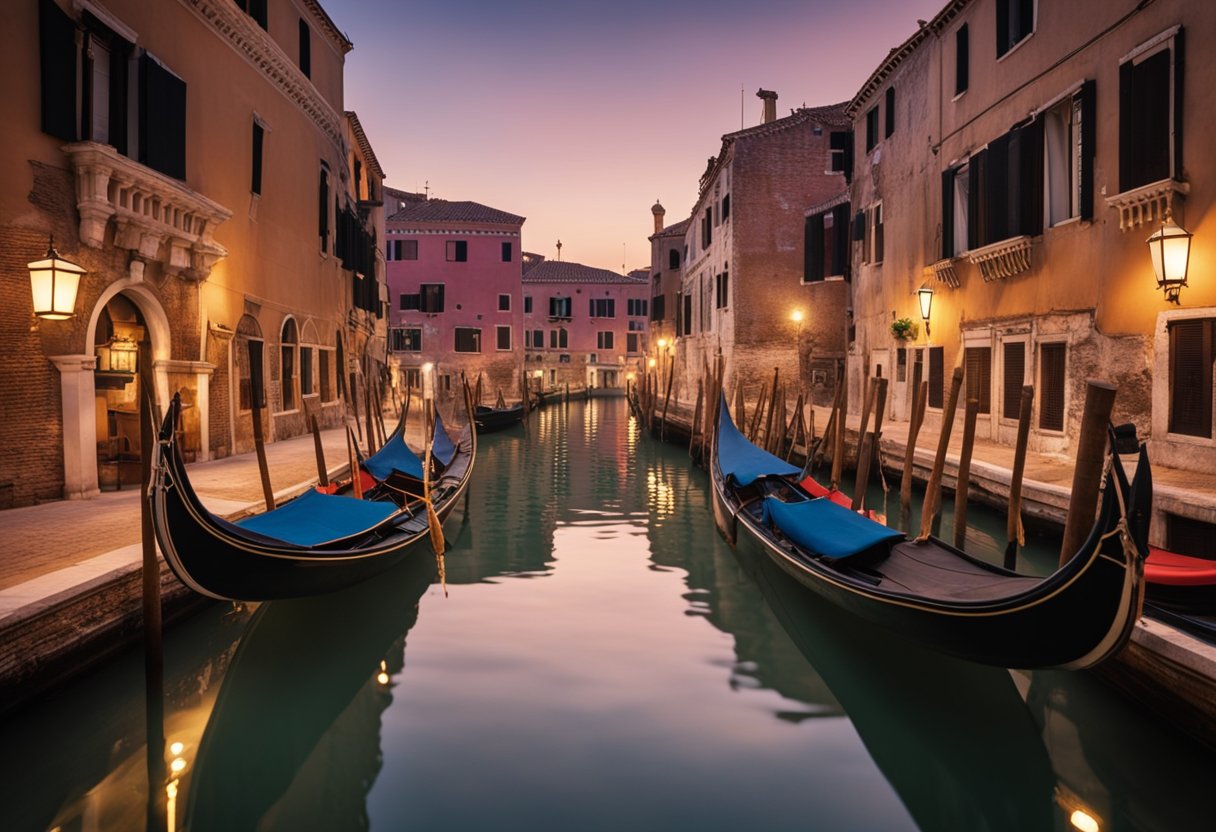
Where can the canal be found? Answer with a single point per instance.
(601, 660)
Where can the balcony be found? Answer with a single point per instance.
(1003, 259)
(156, 217)
(1150, 203)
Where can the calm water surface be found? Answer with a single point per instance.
(602, 660)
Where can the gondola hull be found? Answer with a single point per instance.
(219, 559)
(1075, 618)
(491, 419)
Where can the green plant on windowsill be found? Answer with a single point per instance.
(904, 329)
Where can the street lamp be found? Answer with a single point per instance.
(925, 295)
(796, 316)
(53, 282)
(1170, 249)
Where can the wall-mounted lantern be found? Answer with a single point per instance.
(925, 295)
(1170, 249)
(53, 282)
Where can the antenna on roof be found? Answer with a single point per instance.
(623, 259)
(740, 105)
(427, 189)
(559, 251)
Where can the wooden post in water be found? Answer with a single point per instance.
(920, 393)
(772, 409)
(259, 447)
(696, 418)
(1087, 475)
(933, 491)
(867, 443)
(842, 422)
(353, 396)
(322, 473)
(754, 429)
(797, 429)
(740, 404)
(963, 484)
(367, 414)
(671, 373)
(356, 481)
(1014, 532)
(826, 442)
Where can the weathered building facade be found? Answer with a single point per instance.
(195, 159)
(1035, 148)
(453, 273)
(744, 289)
(666, 270)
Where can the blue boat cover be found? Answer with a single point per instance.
(314, 518)
(740, 459)
(394, 455)
(825, 528)
(442, 448)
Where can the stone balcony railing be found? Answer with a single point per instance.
(1150, 203)
(156, 217)
(1002, 259)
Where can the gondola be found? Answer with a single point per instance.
(312, 544)
(930, 591)
(491, 419)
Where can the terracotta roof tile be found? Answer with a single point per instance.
(440, 210)
(556, 271)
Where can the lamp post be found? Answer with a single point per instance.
(925, 295)
(1170, 250)
(53, 283)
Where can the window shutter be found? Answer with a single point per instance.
(1127, 126)
(1089, 127)
(258, 136)
(162, 119)
(1002, 27)
(840, 241)
(257, 10)
(1051, 385)
(305, 48)
(890, 117)
(978, 376)
(1179, 64)
(936, 376)
(1015, 374)
(1030, 173)
(323, 209)
(997, 191)
(1191, 377)
(962, 60)
(948, 213)
(976, 206)
(813, 238)
(57, 59)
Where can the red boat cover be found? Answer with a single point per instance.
(1164, 567)
(835, 495)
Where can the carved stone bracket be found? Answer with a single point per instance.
(1003, 259)
(156, 218)
(944, 271)
(1150, 203)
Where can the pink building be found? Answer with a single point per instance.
(583, 326)
(454, 291)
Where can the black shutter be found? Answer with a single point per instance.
(1144, 112)
(257, 10)
(948, 212)
(1015, 374)
(976, 204)
(1127, 126)
(323, 209)
(305, 48)
(1179, 63)
(936, 377)
(962, 60)
(1089, 127)
(1191, 377)
(997, 190)
(1002, 27)
(890, 117)
(840, 240)
(977, 376)
(57, 59)
(1030, 173)
(1051, 385)
(162, 121)
(258, 136)
(813, 241)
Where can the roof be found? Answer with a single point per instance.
(676, 229)
(557, 271)
(440, 210)
(331, 29)
(365, 146)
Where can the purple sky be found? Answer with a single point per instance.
(577, 115)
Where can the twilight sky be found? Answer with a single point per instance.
(579, 114)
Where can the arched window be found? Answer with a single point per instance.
(287, 365)
(249, 371)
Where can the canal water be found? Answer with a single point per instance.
(601, 660)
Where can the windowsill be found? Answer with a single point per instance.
(1066, 222)
(1190, 439)
(958, 95)
(1016, 46)
(293, 411)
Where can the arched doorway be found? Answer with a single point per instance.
(116, 342)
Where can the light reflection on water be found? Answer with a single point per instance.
(603, 661)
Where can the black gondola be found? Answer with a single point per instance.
(490, 419)
(932, 592)
(311, 544)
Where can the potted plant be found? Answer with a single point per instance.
(904, 329)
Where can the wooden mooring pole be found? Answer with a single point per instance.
(867, 444)
(1016, 536)
(322, 473)
(154, 655)
(1087, 475)
(933, 491)
(842, 421)
(963, 483)
(259, 447)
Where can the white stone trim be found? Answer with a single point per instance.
(1003, 259)
(1148, 203)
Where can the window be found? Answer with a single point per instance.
(889, 128)
(411, 301)
(937, 377)
(840, 149)
(1150, 113)
(432, 298)
(559, 339)
(603, 308)
(687, 314)
(1014, 23)
(401, 250)
(527, 304)
(327, 385)
(305, 49)
(978, 376)
(956, 201)
(457, 251)
(559, 308)
(962, 60)
(876, 233)
(1191, 377)
(162, 118)
(871, 128)
(502, 335)
(411, 378)
(721, 290)
(631, 343)
(1014, 376)
(707, 232)
(406, 339)
(504, 303)
(255, 9)
(538, 339)
(604, 340)
(323, 207)
(637, 307)
(725, 208)
(306, 388)
(468, 339)
(1051, 385)
(673, 259)
(658, 310)
(1068, 157)
(250, 378)
(287, 351)
(259, 133)
(506, 252)
(826, 244)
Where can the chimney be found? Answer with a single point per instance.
(770, 104)
(659, 212)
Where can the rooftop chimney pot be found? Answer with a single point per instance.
(770, 104)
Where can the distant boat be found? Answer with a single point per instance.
(315, 542)
(1181, 591)
(932, 592)
(490, 419)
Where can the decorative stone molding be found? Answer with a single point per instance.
(156, 217)
(944, 271)
(1148, 203)
(256, 46)
(1003, 259)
